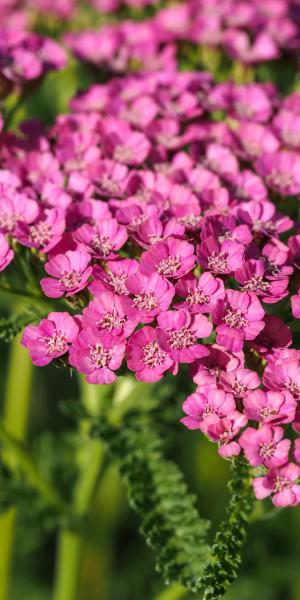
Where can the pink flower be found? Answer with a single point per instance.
(283, 374)
(178, 333)
(51, 338)
(295, 302)
(45, 233)
(130, 149)
(281, 172)
(102, 240)
(206, 402)
(220, 258)
(265, 446)
(171, 258)
(6, 254)
(69, 274)
(224, 430)
(239, 382)
(254, 276)
(97, 355)
(152, 295)
(14, 208)
(270, 407)
(109, 313)
(114, 277)
(280, 484)
(202, 294)
(146, 357)
(239, 317)
(297, 450)
(208, 370)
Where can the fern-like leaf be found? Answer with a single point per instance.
(157, 491)
(225, 553)
(11, 326)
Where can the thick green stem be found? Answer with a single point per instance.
(175, 592)
(71, 543)
(15, 419)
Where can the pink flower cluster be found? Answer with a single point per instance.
(157, 232)
(248, 32)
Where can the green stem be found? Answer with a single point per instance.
(16, 411)
(70, 543)
(175, 592)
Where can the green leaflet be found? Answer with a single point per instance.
(157, 491)
(11, 326)
(225, 553)
(170, 522)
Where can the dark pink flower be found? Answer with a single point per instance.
(295, 302)
(44, 233)
(206, 402)
(280, 483)
(240, 381)
(109, 313)
(6, 254)
(200, 294)
(283, 374)
(114, 277)
(171, 258)
(223, 258)
(104, 239)
(270, 407)
(265, 446)
(69, 274)
(224, 430)
(178, 334)
(51, 338)
(281, 172)
(151, 295)
(14, 208)
(254, 276)
(97, 355)
(239, 317)
(146, 357)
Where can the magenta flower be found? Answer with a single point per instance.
(220, 258)
(221, 160)
(146, 357)
(200, 294)
(171, 258)
(114, 277)
(6, 254)
(283, 374)
(238, 318)
(102, 240)
(265, 446)
(295, 302)
(270, 407)
(178, 334)
(254, 276)
(109, 313)
(69, 274)
(16, 208)
(280, 484)
(208, 370)
(130, 149)
(152, 295)
(275, 335)
(224, 430)
(206, 402)
(281, 172)
(240, 381)
(297, 450)
(45, 233)
(51, 338)
(286, 124)
(97, 355)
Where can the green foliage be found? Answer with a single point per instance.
(11, 326)
(157, 491)
(225, 554)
